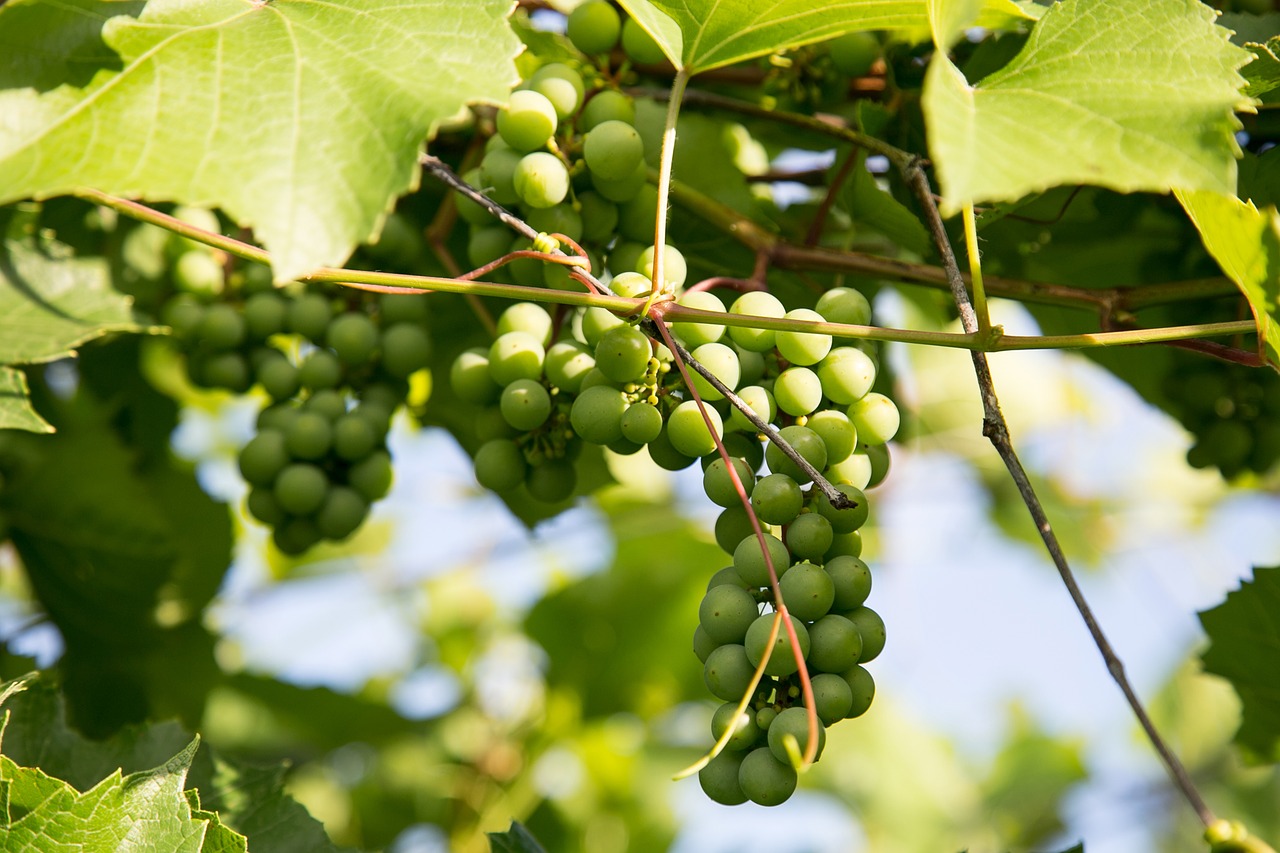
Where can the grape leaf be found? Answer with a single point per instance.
(299, 118)
(1261, 35)
(15, 407)
(517, 839)
(1244, 633)
(699, 35)
(1245, 242)
(1136, 95)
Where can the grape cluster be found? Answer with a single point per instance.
(1233, 412)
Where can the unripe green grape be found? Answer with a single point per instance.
(329, 403)
(753, 365)
(742, 445)
(719, 486)
(559, 219)
(764, 779)
(594, 28)
(354, 437)
(622, 189)
(870, 628)
(276, 417)
(703, 645)
(227, 370)
(639, 45)
(793, 721)
(641, 423)
(848, 519)
(301, 488)
(854, 470)
(594, 378)
(863, 688)
(674, 268)
(726, 612)
(803, 348)
(264, 315)
(632, 285)
(688, 430)
(221, 328)
(847, 374)
(470, 379)
(745, 731)
(498, 178)
(607, 105)
(398, 243)
(599, 217)
(541, 180)
(309, 315)
(310, 436)
(183, 314)
(878, 454)
(845, 545)
(875, 417)
(262, 505)
(719, 778)
(296, 535)
(353, 337)
(597, 321)
(697, 334)
(727, 672)
(200, 273)
(525, 404)
(851, 581)
(638, 216)
(526, 121)
(835, 642)
(371, 476)
(386, 395)
(623, 257)
(733, 526)
(500, 465)
(806, 443)
(566, 364)
(613, 149)
(560, 85)
(406, 349)
(756, 303)
(341, 514)
(854, 53)
(749, 562)
(727, 576)
(832, 697)
(320, 370)
(623, 353)
(666, 455)
(515, 355)
(782, 661)
(528, 317)
(844, 305)
(836, 431)
(807, 590)
(469, 211)
(597, 414)
(263, 458)
(279, 378)
(760, 400)
(798, 391)
(722, 361)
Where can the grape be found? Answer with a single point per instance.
(226, 370)
(558, 219)
(733, 526)
(485, 245)
(639, 45)
(719, 486)
(807, 590)
(497, 176)
(878, 454)
(844, 305)
(727, 576)
(641, 423)
(837, 433)
(631, 284)
(844, 520)
(832, 697)
(835, 644)
(396, 308)
(870, 628)
(745, 731)
(753, 365)
(727, 672)
(765, 717)
(371, 476)
(719, 779)
(319, 370)
(515, 355)
(845, 545)
(794, 722)
(597, 321)
(500, 465)
(406, 349)
(745, 446)
(599, 218)
(761, 402)
(263, 458)
(782, 661)
(262, 505)
(622, 189)
(472, 212)
(764, 779)
(279, 378)
(594, 27)
(674, 268)
(221, 328)
(354, 437)
(757, 304)
(613, 149)
(199, 272)
(777, 499)
(798, 391)
(566, 364)
(803, 441)
(301, 488)
(560, 85)
(854, 470)
(277, 417)
(309, 316)
(847, 374)
(328, 403)
(183, 314)
(528, 317)
(525, 404)
(722, 361)
(703, 645)
(802, 348)
(623, 353)
(876, 418)
(726, 612)
(623, 257)
(854, 53)
(541, 180)
(665, 454)
(470, 378)
(851, 581)
(309, 436)
(863, 688)
(527, 121)
(597, 414)
(296, 535)
(342, 512)
(688, 431)
(353, 337)
(607, 105)
(697, 334)
(748, 559)
(264, 315)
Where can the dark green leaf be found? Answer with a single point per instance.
(1260, 34)
(517, 839)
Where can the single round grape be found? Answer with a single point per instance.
(309, 316)
(835, 644)
(353, 337)
(761, 402)
(490, 425)
(227, 370)
(560, 85)
(526, 121)
(525, 404)
(863, 687)
(341, 514)
(854, 53)
(263, 458)
(756, 303)
(639, 45)
(500, 465)
(732, 527)
(845, 545)
(221, 328)
(300, 488)
(631, 284)
(875, 417)
(613, 150)
(354, 437)
(793, 721)
(558, 219)
(753, 365)
(406, 349)
(637, 217)
(329, 403)
(599, 218)
(870, 628)
(782, 661)
(665, 454)
(688, 431)
(719, 779)
(743, 445)
(515, 355)
(279, 378)
(844, 305)
(594, 28)
(541, 180)
(837, 433)
(485, 245)
(878, 454)
(371, 476)
(320, 370)
(641, 423)
(764, 779)
(472, 212)
(526, 272)
(851, 581)
(200, 273)
(745, 731)
(264, 315)
(498, 179)
(597, 414)
(798, 391)
(719, 485)
(623, 189)
(566, 364)
(726, 612)
(262, 505)
(727, 672)
(803, 348)
(623, 353)
(470, 379)
(183, 314)
(597, 321)
(277, 417)
(607, 105)
(748, 559)
(806, 443)
(854, 470)
(848, 519)
(703, 645)
(310, 436)
(696, 334)
(296, 535)
(722, 361)
(832, 697)
(847, 374)
(623, 257)
(727, 576)
(402, 308)
(807, 590)
(674, 268)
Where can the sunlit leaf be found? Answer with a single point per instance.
(1261, 35)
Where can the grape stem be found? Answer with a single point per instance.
(996, 429)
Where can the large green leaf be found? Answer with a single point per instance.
(1261, 35)
(302, 119)
(15, 407)
(1244, 632)
(1132, 95)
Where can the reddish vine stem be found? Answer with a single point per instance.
(996, 429)
(824, 209)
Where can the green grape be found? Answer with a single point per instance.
(748, 559)
(320, 370)
(764, 779)
(863, 688)
(674, 268)
(398, 243)
(310, 436)
(793, 721)
(756, 303)
(594, 377)
(301, 488)
(719, 779)
(740, 444)
(665, 454)
(551, 482)
(597, 414)
(526, 272)
(199, 217)
(567, 363)
(836, 431)
(848, 519)
(341, 514)
(515, 355)
(623, 257)
(183, 314)
(806, 443)
(631, 285)
(623, 189)
(623, 353)
(745, 731)
(845, 545)
(262, 505)
(558, 219)
(832, 697)
(354, 436)
(541, 180)
(722, 361)
(727, 672)
(854, 470)
(263, 458)
(470, 379)
(560, 85)
(221, 328)
(698, 334)
(472, 212)
(870, 628)
(807, 590)
(525, 404)
(200, 273)
(226, 370)
(851, 580)
(296, 535)
(878, 454)
(613, 149)
(526, 121)
(500, 465)
(719, 486)
(732, 527)
(847, 374)
(835, 644)
(279, 378)
(277, 417)
(641, 423)
(753, 366)
(844, 305)
(876, 418)
(803, 348)
(639, 45)
(594, 27)
(607, 105)
(637, 217)
(406, 349)
(328, 403)
(353, 337)
(371, 476)
(727, 576)
(761, 402)
(599, 218)
(498, 177)
(798, 391)
(854, 53)
(688, 431)
(309, 315)
(726, 612)
(264, 315)
(597, 321)
(782, 661)
(703, 645)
